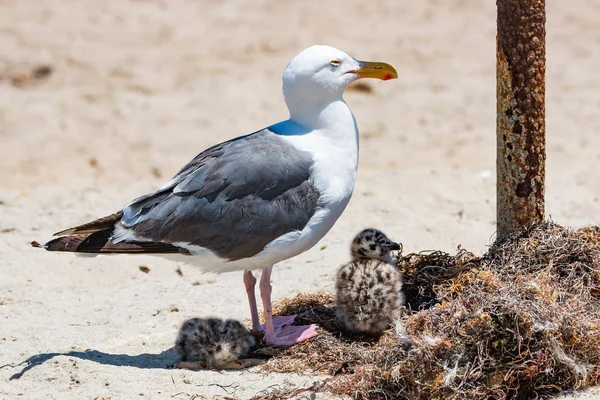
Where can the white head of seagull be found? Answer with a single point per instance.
(318, 76)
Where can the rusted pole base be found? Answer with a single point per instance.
(520, 118)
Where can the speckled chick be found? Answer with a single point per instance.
(214, 343)
(368, 289)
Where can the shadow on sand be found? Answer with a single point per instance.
(146, 360)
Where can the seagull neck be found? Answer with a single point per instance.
(323, 115)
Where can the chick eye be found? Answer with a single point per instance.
(335, 63)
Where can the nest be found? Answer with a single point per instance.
(521, 322)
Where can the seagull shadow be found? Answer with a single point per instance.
(163, 360)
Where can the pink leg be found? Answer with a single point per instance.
(278, 330)
(250, 282)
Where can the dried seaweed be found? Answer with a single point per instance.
(521, 322)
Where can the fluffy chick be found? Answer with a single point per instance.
(369, 288)
(215, 344)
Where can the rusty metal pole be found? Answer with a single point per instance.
(520, 114)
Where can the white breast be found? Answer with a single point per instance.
(335, 154)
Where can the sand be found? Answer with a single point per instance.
(138, 88)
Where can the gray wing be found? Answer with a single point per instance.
(233, 198)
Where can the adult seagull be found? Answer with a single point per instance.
(255, 200)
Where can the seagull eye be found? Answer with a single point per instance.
(335, 63)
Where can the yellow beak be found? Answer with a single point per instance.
(379, 70)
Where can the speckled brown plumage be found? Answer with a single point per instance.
(213, 343)
(368, 289)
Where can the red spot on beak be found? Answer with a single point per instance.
(387, 77)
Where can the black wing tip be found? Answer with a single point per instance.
(97, 225)
(99, 243)
(63, 243)
(65, 232)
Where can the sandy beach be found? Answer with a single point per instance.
(135, 89)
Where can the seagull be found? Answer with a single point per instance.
(255, 200)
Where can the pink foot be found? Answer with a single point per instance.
(286, 334)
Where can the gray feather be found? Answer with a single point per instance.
(233, 198)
